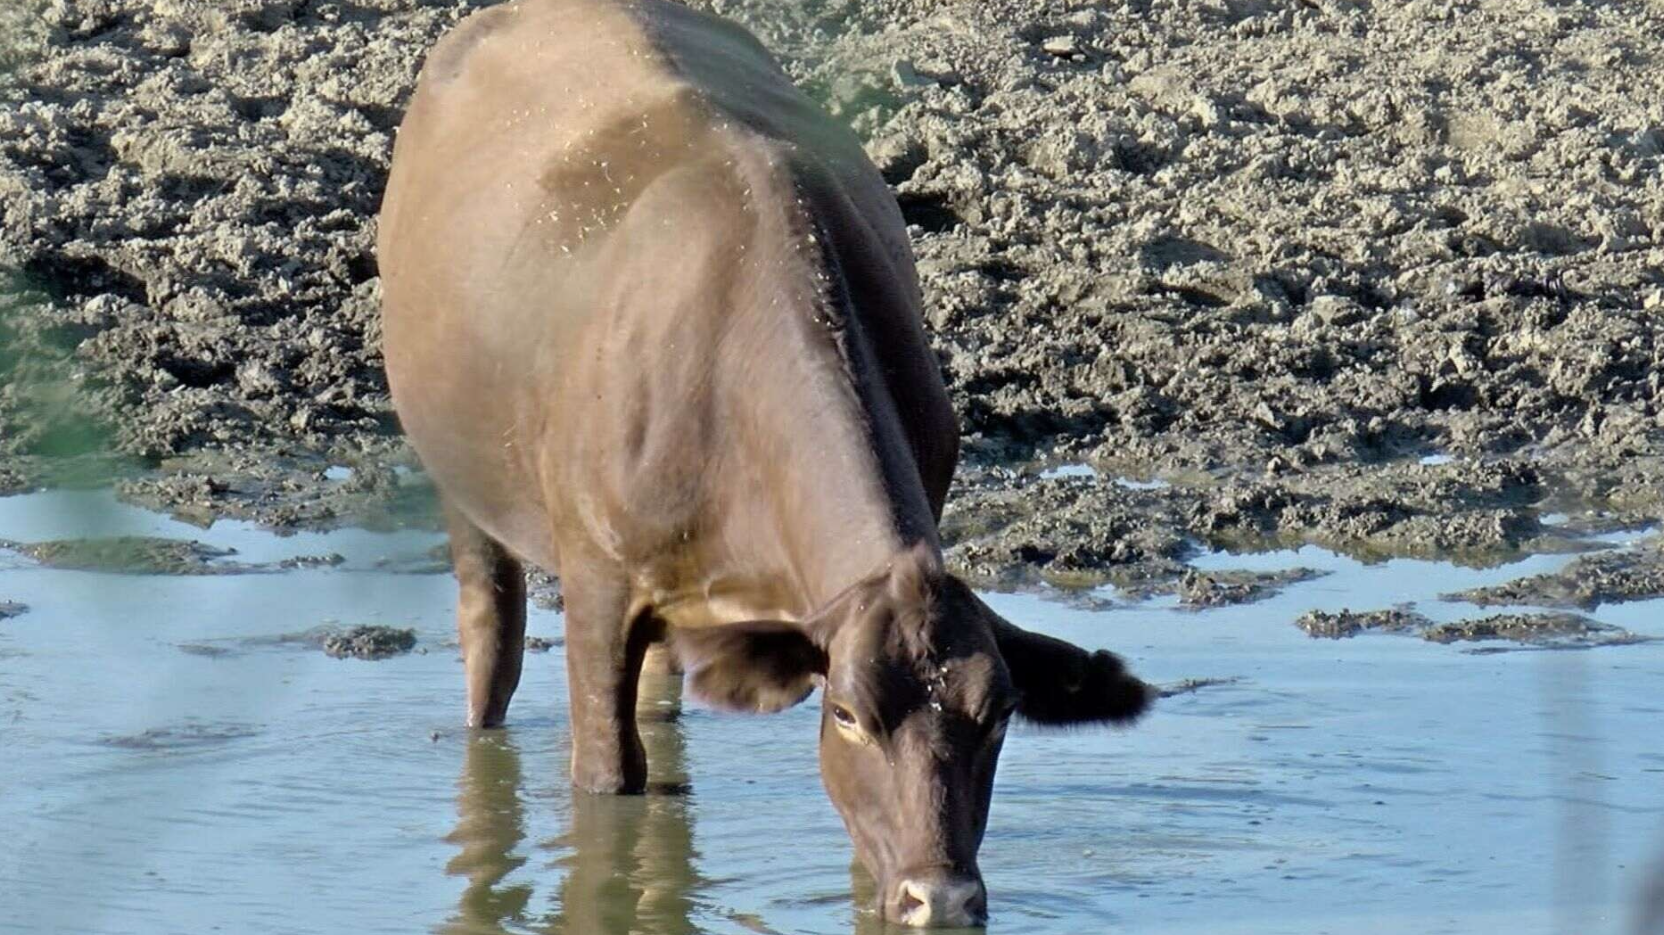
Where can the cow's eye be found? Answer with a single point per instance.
(844, 716)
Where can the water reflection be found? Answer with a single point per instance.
(491, 824)
(629, 866)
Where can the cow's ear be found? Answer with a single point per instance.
(762, 666)
(1061, 684)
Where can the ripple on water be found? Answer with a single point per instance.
(191, 735)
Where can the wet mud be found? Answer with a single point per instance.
(137, 555)
(1344, 623)
(364, 641)
(1216, 589)
(369, 642)
(542, 644)
(1540, 630)
(146, 555)
(1380, 277)
(1533, 630)
(1588, 582)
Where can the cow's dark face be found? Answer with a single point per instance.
(915, 703)
(920, 680)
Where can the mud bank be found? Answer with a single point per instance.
(369, 642)
(1522, 630)
(1384, 277)
(1588, 582)
(363, 641)
(146, 555)
(1544, 631)
(1344, 623)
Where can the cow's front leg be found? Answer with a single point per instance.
(605, 643)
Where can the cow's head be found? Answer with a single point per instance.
(920, 679)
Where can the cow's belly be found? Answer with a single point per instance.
(468, 411)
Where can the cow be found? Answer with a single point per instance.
(651, 322)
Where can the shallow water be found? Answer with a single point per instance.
(1378, 784)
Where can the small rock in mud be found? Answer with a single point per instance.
(1587, 583)
(1224, 588)
(1324, 625)
(135, 555)
(9, 609)
(369, 642)
(542, 644)
(1558, 630)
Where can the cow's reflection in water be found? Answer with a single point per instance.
(489, 830)
(629, 864)
(630, 868)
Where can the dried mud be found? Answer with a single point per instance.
(1275, 253)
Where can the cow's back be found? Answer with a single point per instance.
(595, 209)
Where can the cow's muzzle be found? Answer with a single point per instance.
(937, 898)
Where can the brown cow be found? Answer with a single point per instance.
(652, 321)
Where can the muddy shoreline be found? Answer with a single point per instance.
(1385, 279)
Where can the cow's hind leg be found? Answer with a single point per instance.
(490, 619)
(606, 642)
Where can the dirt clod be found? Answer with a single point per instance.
(369, 642)
(1546, 630)
(1588, 582)
(138, 555)
(1345, 623)
(1223, 588)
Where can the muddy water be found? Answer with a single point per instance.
(248, 784)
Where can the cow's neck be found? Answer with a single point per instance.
(841, 495)
(847, 496)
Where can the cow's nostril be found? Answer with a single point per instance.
(932, 902)
(911, 899)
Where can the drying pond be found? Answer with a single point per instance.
(178, 753)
